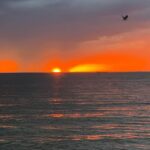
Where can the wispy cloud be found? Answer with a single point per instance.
(31, 3)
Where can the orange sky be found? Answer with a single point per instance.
(8, 66)
(99, 62)
(106, 61)
(120, 53)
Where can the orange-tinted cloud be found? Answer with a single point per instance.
(110, 63)
(89, 68)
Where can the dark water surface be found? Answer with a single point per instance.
(101, 111)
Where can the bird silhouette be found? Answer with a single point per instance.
(125, 17)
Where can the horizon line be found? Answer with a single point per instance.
(43, 72)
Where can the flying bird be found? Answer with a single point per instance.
(125, 17)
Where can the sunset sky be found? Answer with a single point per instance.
(74, 35)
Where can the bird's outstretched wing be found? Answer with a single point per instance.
(125, 17)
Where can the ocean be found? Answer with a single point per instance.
(76, 111)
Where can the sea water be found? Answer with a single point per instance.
(80, 111)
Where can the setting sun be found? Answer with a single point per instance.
(56, 70)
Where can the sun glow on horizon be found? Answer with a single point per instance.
(89, 68)
(56, 70)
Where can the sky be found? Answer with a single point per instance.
(74, 35)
